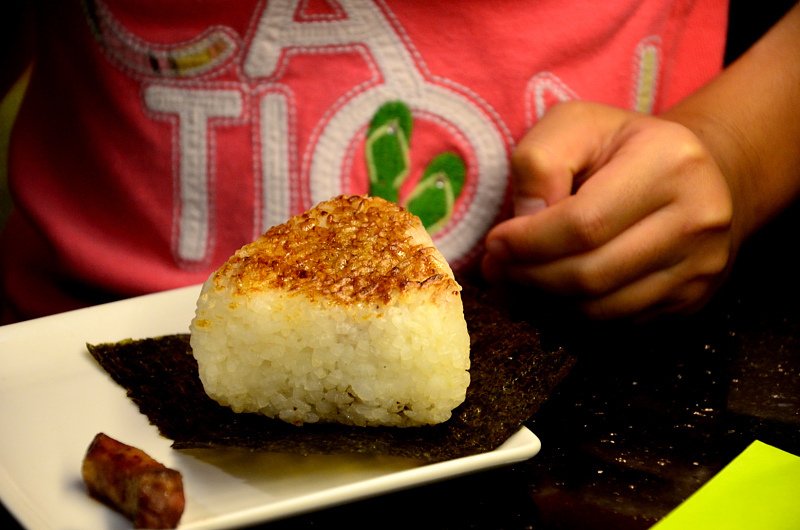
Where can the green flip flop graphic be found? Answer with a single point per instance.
(387, 148)
(388, 164)
(434, 196)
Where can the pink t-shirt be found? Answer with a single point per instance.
(157, 137)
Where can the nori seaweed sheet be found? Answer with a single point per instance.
(512, 374)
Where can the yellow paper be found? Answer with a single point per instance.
(759, 489)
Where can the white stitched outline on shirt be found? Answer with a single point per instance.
(208, 52)
(546, 88)
(195, 111)
(647, 63)
(276, 158)
(542, 88)
(366, 25)
(336, 11)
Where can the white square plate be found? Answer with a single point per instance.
(54, 398)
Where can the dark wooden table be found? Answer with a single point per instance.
(646, 416)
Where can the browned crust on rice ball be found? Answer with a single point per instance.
(351, 249)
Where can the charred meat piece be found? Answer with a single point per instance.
(133, 483)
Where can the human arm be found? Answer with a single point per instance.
(646, 214)
(749, 119)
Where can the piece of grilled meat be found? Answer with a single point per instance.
(130, 481)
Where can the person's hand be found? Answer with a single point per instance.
(628, 215)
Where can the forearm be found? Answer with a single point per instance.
(749, 118)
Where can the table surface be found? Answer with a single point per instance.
(647, 414)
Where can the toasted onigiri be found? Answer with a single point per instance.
(346, 313)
